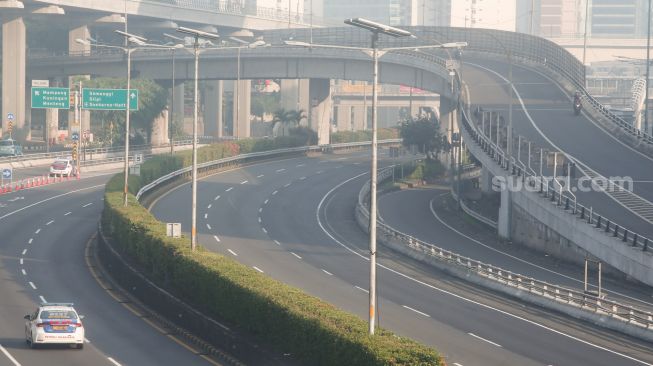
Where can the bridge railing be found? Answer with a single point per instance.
(577, 299)
(552, 190)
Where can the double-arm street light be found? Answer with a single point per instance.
(141, 44)
(375, 53)
(197, 34)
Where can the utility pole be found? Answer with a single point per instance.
(648, 65)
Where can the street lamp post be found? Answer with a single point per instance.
(141, 42)
(197, 34)
(375, 53)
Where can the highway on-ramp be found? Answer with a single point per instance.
(294, 220)
(43, 236)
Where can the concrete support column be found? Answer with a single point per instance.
(295, 95)
(505, 214)
(51, 125)
(359, 122)
(74, 47)
(178, 117)
(213, 110)
(485, 180)
(321, 107)
(242, 125)
(343, 116)
(13, 72)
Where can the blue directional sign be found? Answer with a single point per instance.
(75, 136)
(10, 116)
(6, 173)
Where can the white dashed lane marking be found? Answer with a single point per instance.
(277, 242)
(260, 176)
(32, 284)
(286, 185)
(209, 206)
(23, 271)
(327, 272)
(258, 269)
(37, 231)
(302, 178)
(216, 198)
(295, 254)
(88, 204)
(49, 222)
(67, 213)
(417, 311)
(24, 251)
(244, 182)
(21, 261)
(216, 238)
(42, 299)
(275, 192)
(484, 340)
(113, 361)
(208, 226)
(266, 202)
(232, 252)
(281, 170)
(206, 216)
(260, 209)
(259, 220)
(229, 189)
(362, 289)
(30, 240)
(264, 230)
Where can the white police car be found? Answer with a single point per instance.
(54, 323)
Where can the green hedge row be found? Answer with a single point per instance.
(355, 136)
(285, 317)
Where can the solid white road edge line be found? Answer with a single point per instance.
(485, 340)
(48, 199)
(488, 307)
(9, 356)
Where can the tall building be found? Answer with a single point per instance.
(494, 14)
(615, 18)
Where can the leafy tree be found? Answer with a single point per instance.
(152, 100)
(263, 103)
(423, 132)
(287, 117)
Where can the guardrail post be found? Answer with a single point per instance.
(566, 203)
(616, 230)
(645, 247)
(625, 238)
(635, 236)
(607, 225)
(582, 213)
(598, 222)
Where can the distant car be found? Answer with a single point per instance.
(54, 323)
(63, 167)
(9, 147)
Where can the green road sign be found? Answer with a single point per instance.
(109, 99)
(51, 98)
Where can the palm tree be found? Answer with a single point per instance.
(287, 117)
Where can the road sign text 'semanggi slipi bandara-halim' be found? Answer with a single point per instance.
(109, 99)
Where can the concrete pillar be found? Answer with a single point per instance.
(13, 72)
(178, 117)
(359, 122)
(51, 125)
(295, 95)
(74, 47)
(321, 107)
(485, 180)
(343, 117)
(242, 125)
(160, 129)
(213, 110)
(505, 214)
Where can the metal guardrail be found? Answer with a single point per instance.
(564, 200)
(242, 158)
(559, 294)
